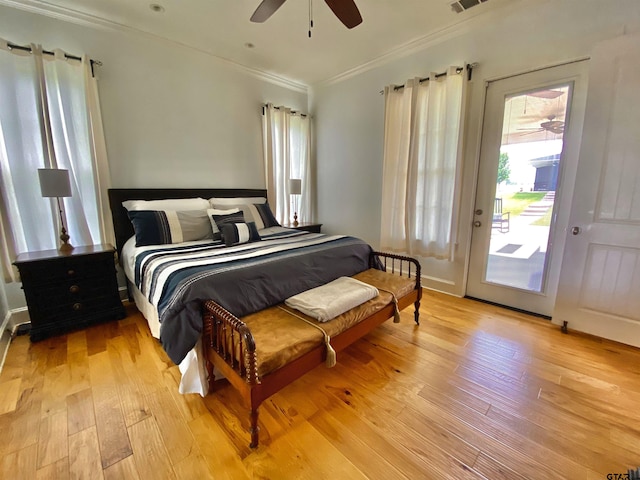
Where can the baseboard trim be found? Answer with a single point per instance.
(5, 339)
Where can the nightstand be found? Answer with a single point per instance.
(66, 291)
(307, 227)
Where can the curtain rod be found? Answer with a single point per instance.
(292, 111)
(438, 75)
(49, 52)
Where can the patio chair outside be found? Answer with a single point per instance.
(500, 218)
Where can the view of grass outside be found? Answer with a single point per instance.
(517, 202)
(544, 221)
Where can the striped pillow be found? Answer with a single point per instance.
(159, 227)
(237, 233)
(214, 226)
(266, 215)
(234, 216)
(259, 213)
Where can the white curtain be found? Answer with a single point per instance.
(286, 144)
(421, 170)
(49, 118)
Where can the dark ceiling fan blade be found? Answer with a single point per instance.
(265, 10)
(346, 11)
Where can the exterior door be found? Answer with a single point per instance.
(599, 290)
(530, 141)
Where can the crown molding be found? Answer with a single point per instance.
(83, 19)
(427, 41)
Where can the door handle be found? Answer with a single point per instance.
(477, 223)
(575, 230)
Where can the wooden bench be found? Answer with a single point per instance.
(263, 352)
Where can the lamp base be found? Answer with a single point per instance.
(66, 247)
(295, 219)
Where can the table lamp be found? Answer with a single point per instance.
(295, 188)
(55, 183)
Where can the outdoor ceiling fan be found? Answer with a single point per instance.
(346, 11)
(551, 125)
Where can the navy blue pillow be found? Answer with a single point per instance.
(237, 233)
(266, 215)
(221, 220)
(159, 227)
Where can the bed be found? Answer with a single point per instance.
(208, 301)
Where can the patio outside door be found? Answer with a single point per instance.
(528, 160)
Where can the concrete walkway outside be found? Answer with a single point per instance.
(516, 257)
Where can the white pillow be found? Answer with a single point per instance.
(178, 204)
(246, 204)
(222, 201)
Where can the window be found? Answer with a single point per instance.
(286, 137)
(49, 118)
(421, 174)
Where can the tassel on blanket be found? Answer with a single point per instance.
(396, 309)
(331, 353)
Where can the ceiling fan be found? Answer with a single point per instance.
(551, 125)
(346, 11)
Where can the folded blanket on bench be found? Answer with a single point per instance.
(332, 299)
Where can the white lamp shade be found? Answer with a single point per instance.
(295, 186)
(54, 182)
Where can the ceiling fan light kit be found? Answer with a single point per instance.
(346, 11)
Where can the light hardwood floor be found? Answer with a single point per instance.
(475, 391)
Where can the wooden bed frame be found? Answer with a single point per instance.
(244, 375)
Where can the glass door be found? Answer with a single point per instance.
(521, 171)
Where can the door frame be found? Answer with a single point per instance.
(577, 72)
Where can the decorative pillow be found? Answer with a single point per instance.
(176, 204)
(158, 227)
(259, 213)
(235, 216)
(266, 215)
(237, 233)
(211, 212)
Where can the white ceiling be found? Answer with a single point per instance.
(281, 44)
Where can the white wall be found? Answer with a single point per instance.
(173, 116)
(349, 114)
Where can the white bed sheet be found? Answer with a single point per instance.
(194, 373)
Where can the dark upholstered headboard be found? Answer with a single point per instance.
(121, 223)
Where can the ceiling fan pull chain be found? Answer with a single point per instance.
(310, 16)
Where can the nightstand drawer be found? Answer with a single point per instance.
(68, 292)
(70, 269)
(75, 309)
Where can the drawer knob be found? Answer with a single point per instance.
(74, 289)
(77, 306)
(71, 272)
